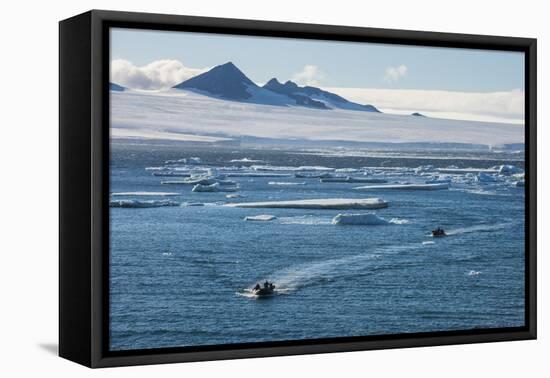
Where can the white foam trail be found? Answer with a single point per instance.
(399, 221)
(478, 228)
(305, 220)
(295, 277)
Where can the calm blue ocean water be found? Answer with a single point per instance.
(178, 275)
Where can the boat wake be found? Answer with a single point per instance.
(291, 279)
(479, 228)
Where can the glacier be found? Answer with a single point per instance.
(179, 114)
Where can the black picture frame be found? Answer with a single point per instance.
(84, 187)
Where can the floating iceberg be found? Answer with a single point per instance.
(189, 161)
(193, 204)
(171, 174)
(246, 160)
(405, 187)
(216, 187)
(467, 170)
(299, 169)
(256, 174)
(191, 181)
(359, 219)
(283, 183)
(484, 177)
(438, 181)
(349, 179)
(235, 195)
(260, 218)
(126, 203)
(312, 175)
(145, 194)
(326, 203)
(508, 170)
(202, 180)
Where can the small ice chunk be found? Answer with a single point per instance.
(194, 204)
(234, 195)
(189, 161)
(216, 187)
(260, 218)
(474, 273)
(359, 219)
(485, 177)
(246, 160)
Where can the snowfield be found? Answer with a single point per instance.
(188, 116)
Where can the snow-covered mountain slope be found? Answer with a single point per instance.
(323, 98)
(116, 87)
(178, 114)
(227, 82)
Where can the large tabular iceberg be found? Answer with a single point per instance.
(325, 203)
(359, 219)
(405, 187)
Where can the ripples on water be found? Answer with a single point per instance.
(182, 275)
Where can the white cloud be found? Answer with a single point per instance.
(506, 106)
(393, 74)
(159, 74)
(310, 75)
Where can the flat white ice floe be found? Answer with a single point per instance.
(246, 160)
(325, 203)
(171, 174)
(467, 170)
(371, 180)
(144, 194)
(126, 203)
(256, 174)
(359, 219)
(269, 168)
(405, 187)
(260, 218)
(284, 183)
(216, 187)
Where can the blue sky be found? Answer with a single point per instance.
(338, 64)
